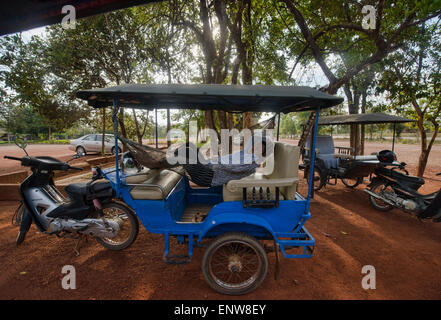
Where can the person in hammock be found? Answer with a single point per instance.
(206, 173)
(211, 173)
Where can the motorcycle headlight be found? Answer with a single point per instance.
(129, 164)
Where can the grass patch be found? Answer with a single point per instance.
(40, 142)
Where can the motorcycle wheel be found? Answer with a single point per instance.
(352, 182)
(128, 230)
(378, 187)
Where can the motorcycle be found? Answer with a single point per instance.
(395, 188)
(89, 208)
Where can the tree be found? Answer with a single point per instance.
(228, 34)
(288, 125)
(326, 26)
(322, 30)
(412, 81)
(24, 73)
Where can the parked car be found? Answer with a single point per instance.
(92, 143)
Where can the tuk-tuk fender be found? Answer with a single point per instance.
(235, 219)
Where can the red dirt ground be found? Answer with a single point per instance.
(349, 234)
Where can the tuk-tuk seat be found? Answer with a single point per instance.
(160, 183)
(326, 151)
(284, 176)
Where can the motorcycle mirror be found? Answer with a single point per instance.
(21, 143)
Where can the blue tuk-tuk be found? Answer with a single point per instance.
(236, 217)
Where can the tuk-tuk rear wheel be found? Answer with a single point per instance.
(318, 180)
(234, 263)
(352, 182)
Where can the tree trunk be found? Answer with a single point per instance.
(138, 131)
(425, 148)
(122, 125)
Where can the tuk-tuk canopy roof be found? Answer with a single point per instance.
(362, 118)
(232, 98)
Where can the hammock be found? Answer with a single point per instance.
(203, 174)
(147, 156)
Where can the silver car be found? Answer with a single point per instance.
(92, 143)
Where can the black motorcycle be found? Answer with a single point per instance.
(89, 208)
(395, 188)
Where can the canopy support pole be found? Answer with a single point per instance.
(393, 139)
(311, 169)
(115, 133)
(156, 127)
(278, 125)
(356, 140)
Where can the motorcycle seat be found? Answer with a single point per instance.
(76, 188)
(81, 188)
(411, 179)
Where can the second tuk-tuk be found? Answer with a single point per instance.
(234, 218)
(345, 163)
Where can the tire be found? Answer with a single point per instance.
(376, 203)
(81, 150)
(119, 150)
(235, 265)
(130, 218)
(351, 183)
(318, 180)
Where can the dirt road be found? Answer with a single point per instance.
(348, 232)
(59, 151)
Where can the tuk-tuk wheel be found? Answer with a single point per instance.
(234, 263)
(352, 182)
(318, 179)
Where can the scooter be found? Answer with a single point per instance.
(391, 188)
(89, 208)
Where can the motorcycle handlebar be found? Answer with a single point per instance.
(26, 161)
(75, 168)
(12, 158)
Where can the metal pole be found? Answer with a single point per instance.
(356, 140)
(278, 125)
(311, 170)
(115, 133)
(393, 139)
(156, 127)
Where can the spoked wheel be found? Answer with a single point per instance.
(383, 190)
(352, 182)
(128, 223)
(318, 180)
(234, 264)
